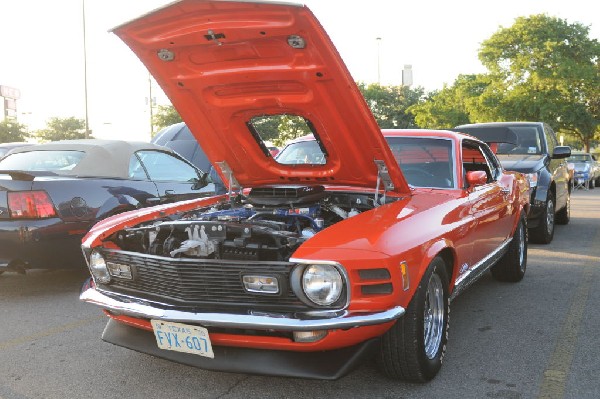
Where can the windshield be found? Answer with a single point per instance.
(425, 162)
(42, 160)
(301, 152)
(528, 142)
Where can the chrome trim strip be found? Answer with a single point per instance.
(137, 308)
(471, 275)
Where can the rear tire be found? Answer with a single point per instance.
(544, 232)
(592, 184)
(413, 349)
(512, 266)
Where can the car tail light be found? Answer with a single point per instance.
(30, 205)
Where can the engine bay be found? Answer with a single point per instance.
(268, 224)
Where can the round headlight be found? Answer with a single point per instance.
(98, 268)
(322, 284)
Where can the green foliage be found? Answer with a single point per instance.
(290, 127)
(69, 128)
(454, 105)
(166, 115)
(545, 69)
(539, 69)
(390, 104)
(12, 131)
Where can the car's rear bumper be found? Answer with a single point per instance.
(40, 244)
(329, 365)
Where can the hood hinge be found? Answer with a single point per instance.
(383, 177)
(232, 182)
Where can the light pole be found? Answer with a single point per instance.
(378, 60)
(85, 88)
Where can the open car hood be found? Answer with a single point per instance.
(223, 63)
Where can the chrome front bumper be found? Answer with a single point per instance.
(128, 306)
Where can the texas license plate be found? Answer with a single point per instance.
(182, 338)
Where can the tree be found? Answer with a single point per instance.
(290, 127)
(545, 69)
(12, 131)
(463, 102)
(69, 128)
(389, 104)
(166, 115)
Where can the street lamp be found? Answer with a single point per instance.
(378, 61)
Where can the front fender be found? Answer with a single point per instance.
(543, 185)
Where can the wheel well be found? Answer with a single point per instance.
(552, 189)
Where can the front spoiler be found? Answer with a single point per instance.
(124, 305)
(329, 365)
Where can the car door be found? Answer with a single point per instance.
(490, 206)
(175, 179)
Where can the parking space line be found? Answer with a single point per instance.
(52, 331)
(557, 371)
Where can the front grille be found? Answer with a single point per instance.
(202, 283)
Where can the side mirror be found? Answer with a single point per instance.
(560, 152)
(476, 178)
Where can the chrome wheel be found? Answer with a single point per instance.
(434, 316)
(521, 237)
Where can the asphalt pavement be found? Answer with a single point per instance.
(535, 339)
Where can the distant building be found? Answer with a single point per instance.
(407, 76)
(9, 97)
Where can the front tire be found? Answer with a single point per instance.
(544, 232)
(413, 349)
(511, 267)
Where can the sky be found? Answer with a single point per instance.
(42, 50)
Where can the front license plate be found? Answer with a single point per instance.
(182, 338)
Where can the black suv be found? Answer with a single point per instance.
(538, 155)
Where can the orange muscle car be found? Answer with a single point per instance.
(350, 243)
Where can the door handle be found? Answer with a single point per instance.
(169, 193)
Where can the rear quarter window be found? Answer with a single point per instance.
(53, 161)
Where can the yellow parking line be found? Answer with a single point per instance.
(557, 372)
(52, 331)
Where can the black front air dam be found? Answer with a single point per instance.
(328, 365)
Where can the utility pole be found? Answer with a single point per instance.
(85, 88)
(378, 60)
(150, 104)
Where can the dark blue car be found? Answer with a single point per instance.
(52, 194)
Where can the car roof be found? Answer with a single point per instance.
(500, 124)
(104, 158)
(406, 133)
(180, 139)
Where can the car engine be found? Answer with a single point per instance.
(266, 225)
